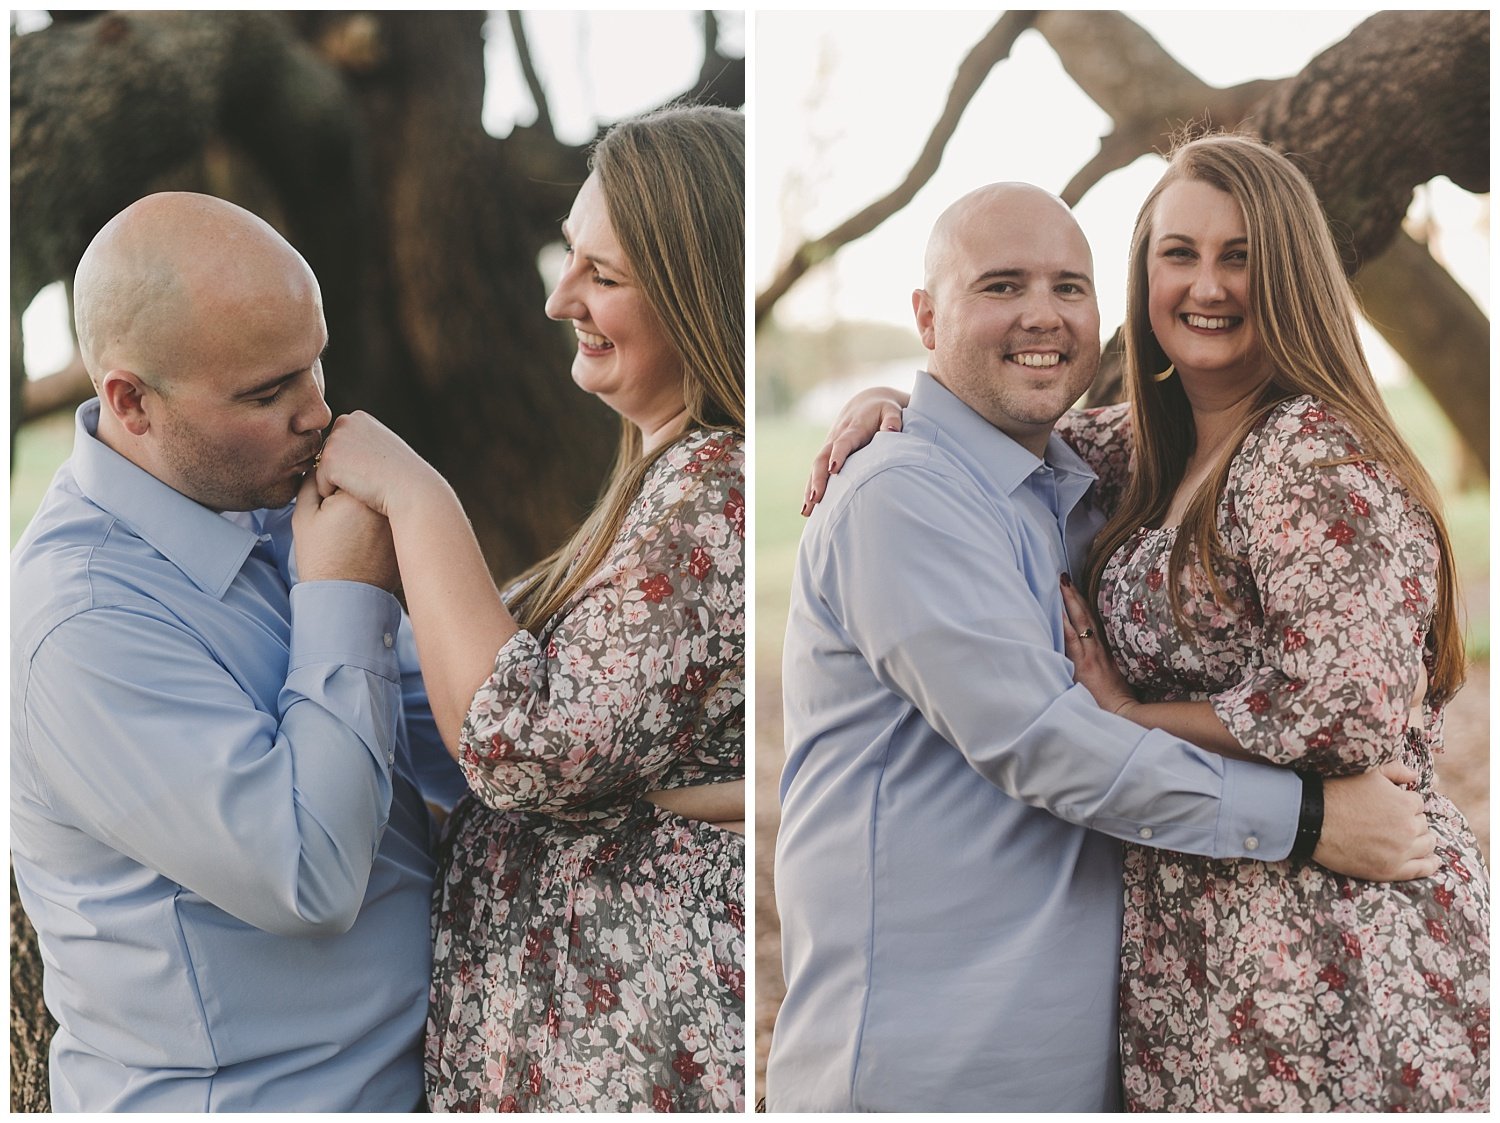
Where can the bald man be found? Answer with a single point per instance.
(950, 930)
(215, 822)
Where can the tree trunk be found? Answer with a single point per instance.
(1423, 332)
(31, 1027)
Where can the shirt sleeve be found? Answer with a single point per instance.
(159, 753)
(932, 593)
(436, 773)
(1345, 567)
(631, 675)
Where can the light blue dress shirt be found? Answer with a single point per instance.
(213, 820)
(950, 928)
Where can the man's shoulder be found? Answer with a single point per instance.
(902, 464)
(73, 558)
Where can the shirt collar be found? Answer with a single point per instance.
(209, 549)
(997, 455)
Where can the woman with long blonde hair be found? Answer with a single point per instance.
(589, 939)
(1276, 581)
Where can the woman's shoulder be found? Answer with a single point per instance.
(720, 451)
(1302, 432)
(1101, 425)
(702, 468)
(1102, 437)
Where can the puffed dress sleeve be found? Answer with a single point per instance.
(1104, 438)
(640, 670)
(1344, 565)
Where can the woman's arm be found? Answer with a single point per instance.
(1344, 569)
(1197, 722)
(457, 616)
(644, 670)
(723, 805)
(867, 413)
(1095, 670)
(648, 658)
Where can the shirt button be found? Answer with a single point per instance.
(388, 639)
(1146, 832)
(1252, 843)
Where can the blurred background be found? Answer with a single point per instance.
(421, 163)
(867, 129)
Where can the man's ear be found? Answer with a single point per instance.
(124, 395)
(921, 305)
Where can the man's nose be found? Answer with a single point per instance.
(1040, 313)
(313, 413)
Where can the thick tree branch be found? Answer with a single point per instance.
(976, 66)
(62, 389)
(1438, 336)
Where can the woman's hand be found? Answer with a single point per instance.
(723, 805)
(340, 539)
(867, 413)
(369, 462)
(1083, 643)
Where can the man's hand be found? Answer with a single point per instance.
(340, 539)
(1375, 829)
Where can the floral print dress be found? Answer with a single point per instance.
(589, 947)
(1275, 985)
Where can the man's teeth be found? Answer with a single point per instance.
(590, 339)
(1037, 359)
(1210, 322)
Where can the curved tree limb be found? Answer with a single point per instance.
(528, 71)
(972, 72)
(1438, 336)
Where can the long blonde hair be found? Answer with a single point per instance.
(1303, 312)
(674, 185)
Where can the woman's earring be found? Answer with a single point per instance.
(1166, 374)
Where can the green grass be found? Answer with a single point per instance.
(783, 454)
(40, 448)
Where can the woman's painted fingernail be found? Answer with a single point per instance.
(1067, 581)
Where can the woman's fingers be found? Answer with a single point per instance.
(856, 427)
(817, 480)
(1079, 615)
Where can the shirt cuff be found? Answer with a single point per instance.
(345, 622)
(1258, 812)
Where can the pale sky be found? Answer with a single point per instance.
(841, 115)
